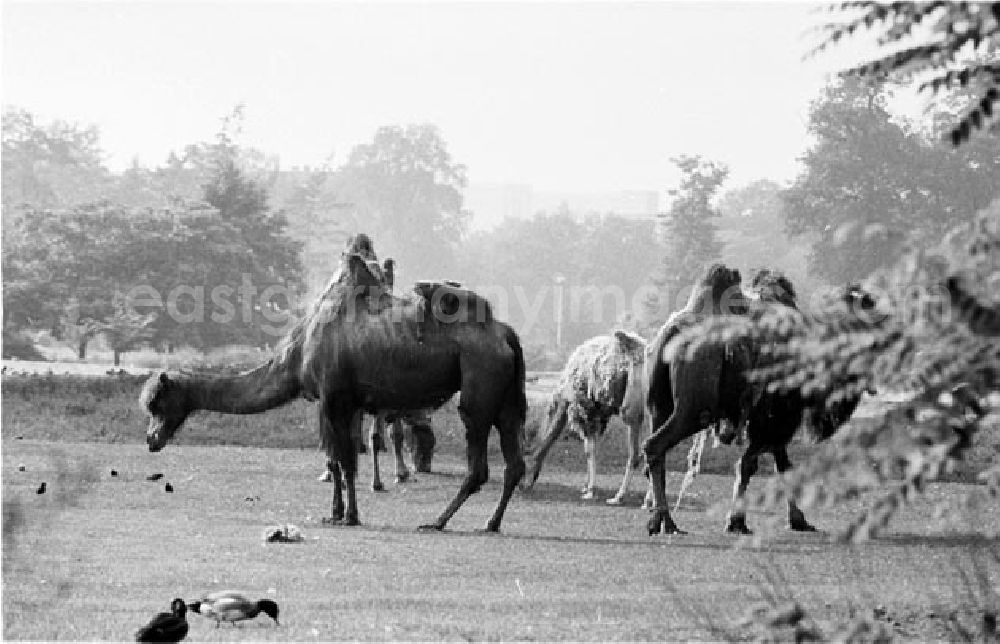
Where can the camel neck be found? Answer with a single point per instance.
(266, 387)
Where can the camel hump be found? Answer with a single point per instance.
(450, 302)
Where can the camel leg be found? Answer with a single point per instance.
(679, 426)
(556, 425)
(647, 501)
(327, 475)
(694, 465)
(375, 432)
(745, 468)
(397, 435)
(630, 465)
(476, 436)
(590, 449)
(340, 425)
(336, 477)
(796, 518)
(510, 445)
(332, 468)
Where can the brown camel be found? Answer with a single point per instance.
(362, 349)
(601, 379)
(713, 381)
(683, 396)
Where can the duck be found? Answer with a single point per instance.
(232, 606)
(166, 627)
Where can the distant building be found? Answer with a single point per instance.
(491, 203)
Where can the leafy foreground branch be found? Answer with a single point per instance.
(932, 39)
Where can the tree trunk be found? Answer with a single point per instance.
(118, 357)
(81, 349)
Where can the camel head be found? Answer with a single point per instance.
(165, 402)
(725, 286)
(773, 286)
(631, 345)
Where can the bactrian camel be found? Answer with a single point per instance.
(362, 349)
(689, 389)
(601, 379)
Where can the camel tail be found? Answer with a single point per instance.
(518, 396)
(555, 423)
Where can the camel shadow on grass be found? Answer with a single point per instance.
(692, 541)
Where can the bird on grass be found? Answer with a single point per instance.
(231, 606)
(165, 627)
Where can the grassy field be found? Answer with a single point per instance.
(97, 555)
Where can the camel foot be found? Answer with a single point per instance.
(403, 478)
(430, 527)
(803, 526)
(738, 525)
(661, 523)
(378, 487)
(341, 521)
(587, 495)
(617, 499)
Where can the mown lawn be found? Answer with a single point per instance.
(97, 555)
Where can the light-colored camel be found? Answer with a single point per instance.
(604, 377)
(362, 349)
(601, 379)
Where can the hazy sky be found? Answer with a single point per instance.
(561, 96)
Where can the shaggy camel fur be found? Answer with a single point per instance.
(601, 379)
(362, 349)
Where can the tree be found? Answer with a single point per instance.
(125, 328)
(63, 268)
(407, 191)
(49, 166)
(859, 191)
(929, 39)
(265, 256)
(318, 217)
(752, 229)
(872, 184)
(602, 263)
(688, 232)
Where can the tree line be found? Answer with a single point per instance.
(222, 243)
